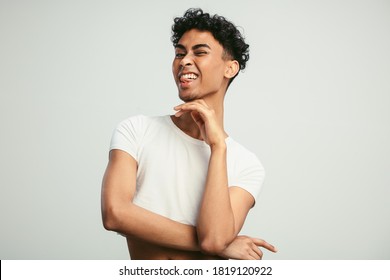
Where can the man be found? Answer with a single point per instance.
(178, 187)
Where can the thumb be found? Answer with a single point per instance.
(197, 118)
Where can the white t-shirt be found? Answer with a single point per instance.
(172, 166)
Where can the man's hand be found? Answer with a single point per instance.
(212, 132)
(246, 248)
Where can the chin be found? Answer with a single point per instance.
(187, 97)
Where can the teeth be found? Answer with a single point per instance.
(189, 76)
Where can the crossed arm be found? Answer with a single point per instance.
(121, 215)
(222, 213)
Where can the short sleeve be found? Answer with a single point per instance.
(126, 136)
(249, 175)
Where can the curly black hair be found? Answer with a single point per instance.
(225, 32)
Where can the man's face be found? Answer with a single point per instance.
(199, 69)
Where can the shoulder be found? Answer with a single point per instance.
(245, 169)
(135, 120)
(240, 153)
(140, 122)
(242, 162)
(131, 132)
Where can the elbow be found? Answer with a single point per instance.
(108, 224)
(213, 246)
(215, 242)
(110, 218)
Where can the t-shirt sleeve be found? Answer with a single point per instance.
(127, 136)
(250, 175)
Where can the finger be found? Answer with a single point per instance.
(200, 102)
(196, 103)
(257, 251)
(180, 113)
(204, 113)
(184, 108)
(254, 254)
(249, 256)
(264, 244)
(177, 107)
(197, 118)
(191, 106)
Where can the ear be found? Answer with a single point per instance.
(232, 68)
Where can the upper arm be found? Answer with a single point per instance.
(241, 202)
(246, 182)
(119, 183)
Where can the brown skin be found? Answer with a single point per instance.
(141, 250)
(223, 209)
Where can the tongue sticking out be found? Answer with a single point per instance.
(187, 79)
(185, 82)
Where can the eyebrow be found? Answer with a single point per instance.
(195, 47)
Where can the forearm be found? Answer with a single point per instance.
(132, 220)
(216, 220)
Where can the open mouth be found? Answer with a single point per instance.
(188, 77)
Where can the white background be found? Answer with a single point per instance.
(313, 104)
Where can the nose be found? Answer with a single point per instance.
(186, 61)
